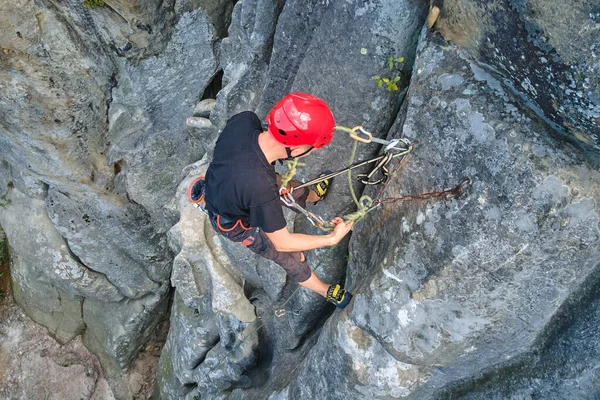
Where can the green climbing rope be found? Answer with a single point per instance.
(365, 202)
(289, 175)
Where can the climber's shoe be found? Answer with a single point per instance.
(196, 190)
(338, 296)
(321, 188)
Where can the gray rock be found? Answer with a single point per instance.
(462, 298)
(219, 12)
(198, 122)
(139, 259)
(212, 338)
(193, 332)
(98, 143)
(546, 51)
(116, 332)
(35, 365)
(46, 252)
(204, 108)
(57, 310)
(147, 131)
(244, 56)
(445, 290)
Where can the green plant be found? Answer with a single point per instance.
(3, 200)
(391, 82)
(94, 3)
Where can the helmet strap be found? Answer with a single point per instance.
(288, 151)
(289, 154)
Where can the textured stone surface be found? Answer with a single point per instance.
(446, 290)
(485, 296)
(33, 365)
(93, 142)
(147, 119)
(280, 57)
(547, 51)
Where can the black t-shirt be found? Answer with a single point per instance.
(240, 182)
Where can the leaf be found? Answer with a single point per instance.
(395, 86)
(396, 79)
(377, 77)
(400, 59)
(379, 83)
(386, 80)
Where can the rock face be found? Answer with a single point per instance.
(447, 290)
(493, 294)
(359, 48)
(93, 143)
(546, 51)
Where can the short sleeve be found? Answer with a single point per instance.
(268, 216)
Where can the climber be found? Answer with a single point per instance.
(241, 188)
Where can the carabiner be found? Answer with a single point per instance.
(356, 136)
(286, 197)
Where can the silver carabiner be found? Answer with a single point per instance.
(286, 197)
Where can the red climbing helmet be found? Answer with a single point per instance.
(301, 118)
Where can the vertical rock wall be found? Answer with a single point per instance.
(95, 159)
(93, 142)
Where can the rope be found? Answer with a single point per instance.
(365, 202)
(289, 175)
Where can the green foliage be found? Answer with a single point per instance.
(3, 247)
(3, 200)
(94, 3)
(391, 63)
(391, 83)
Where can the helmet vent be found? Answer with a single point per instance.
(281, 131)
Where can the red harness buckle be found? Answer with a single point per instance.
(248, 241)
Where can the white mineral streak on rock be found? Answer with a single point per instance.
(201, 254)
(378, 373)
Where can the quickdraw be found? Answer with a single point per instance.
(408, 147)
(314, 219)
(385, 173)
(391, 151)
